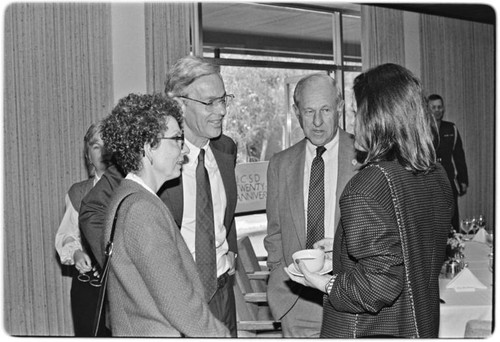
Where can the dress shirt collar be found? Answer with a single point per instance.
(96, 179)
(312, 148)
(194, 151)
(133, 177)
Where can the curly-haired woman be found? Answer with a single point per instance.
(153, 288)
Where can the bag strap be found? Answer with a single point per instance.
(399, 220)
(104, 277)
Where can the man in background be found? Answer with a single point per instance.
(450, 154)
(203, 199)
(305, 182)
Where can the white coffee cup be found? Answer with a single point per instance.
(314, 259)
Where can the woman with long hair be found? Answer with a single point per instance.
(395, 217)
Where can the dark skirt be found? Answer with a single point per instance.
(83, 307)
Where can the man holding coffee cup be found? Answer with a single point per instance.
(302, 181)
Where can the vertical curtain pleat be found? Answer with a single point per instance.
(57, 78)
(458, 63)
(382, 33)
(168, 28)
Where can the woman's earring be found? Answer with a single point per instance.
(150, 160)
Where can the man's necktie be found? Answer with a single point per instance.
(205, 231)
(316, 200)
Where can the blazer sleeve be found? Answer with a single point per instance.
(459, 160)
(153, 244)
(93, 212)
(232, 239)
(372, 243)
(273, 239)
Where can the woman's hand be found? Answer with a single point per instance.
(314, 280)
(82, 261)
(325, 245)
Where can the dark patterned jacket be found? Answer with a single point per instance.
(387, 282)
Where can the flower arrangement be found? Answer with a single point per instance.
(455, 245)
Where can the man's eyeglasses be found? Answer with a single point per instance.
(223, 100)
(178, 138)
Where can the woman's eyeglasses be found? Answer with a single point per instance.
(178, 138)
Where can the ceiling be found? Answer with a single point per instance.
(304, 27)
(251, 26)
(481, 13)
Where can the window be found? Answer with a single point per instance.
(263, 50)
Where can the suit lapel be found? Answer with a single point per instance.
(225, 163)
(295, 178)
(172, 195)
(346, 167)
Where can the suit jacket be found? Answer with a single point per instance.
(171, 193)
(153, 286)
(451, 153)
(94, 210)
(388, 260)
(94, 206)
(286, 232)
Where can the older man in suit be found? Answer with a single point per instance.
(206, 191)
(304, 184)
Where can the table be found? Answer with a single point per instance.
(460, 307)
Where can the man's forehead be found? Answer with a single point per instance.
(207, 84)
(436, 102)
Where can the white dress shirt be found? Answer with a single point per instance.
(68, 238)
(331, 159)
(188, 228)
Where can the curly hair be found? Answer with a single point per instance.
(133, 122)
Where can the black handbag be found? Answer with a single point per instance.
(104, 275)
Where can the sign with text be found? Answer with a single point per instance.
(251, 181)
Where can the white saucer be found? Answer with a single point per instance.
(327, 268)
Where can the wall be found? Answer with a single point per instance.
(458, 62)
(66, 64)
(456, 59)
(62, 69)
(57, 82)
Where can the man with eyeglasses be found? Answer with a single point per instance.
(203, 200)
(304, 185)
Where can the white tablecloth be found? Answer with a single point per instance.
(460, 307)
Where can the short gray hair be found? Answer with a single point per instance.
(309, 78)
(185, 71)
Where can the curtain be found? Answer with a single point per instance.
(382, 32)
(58, 80)
(168, 37)
(458, 63)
